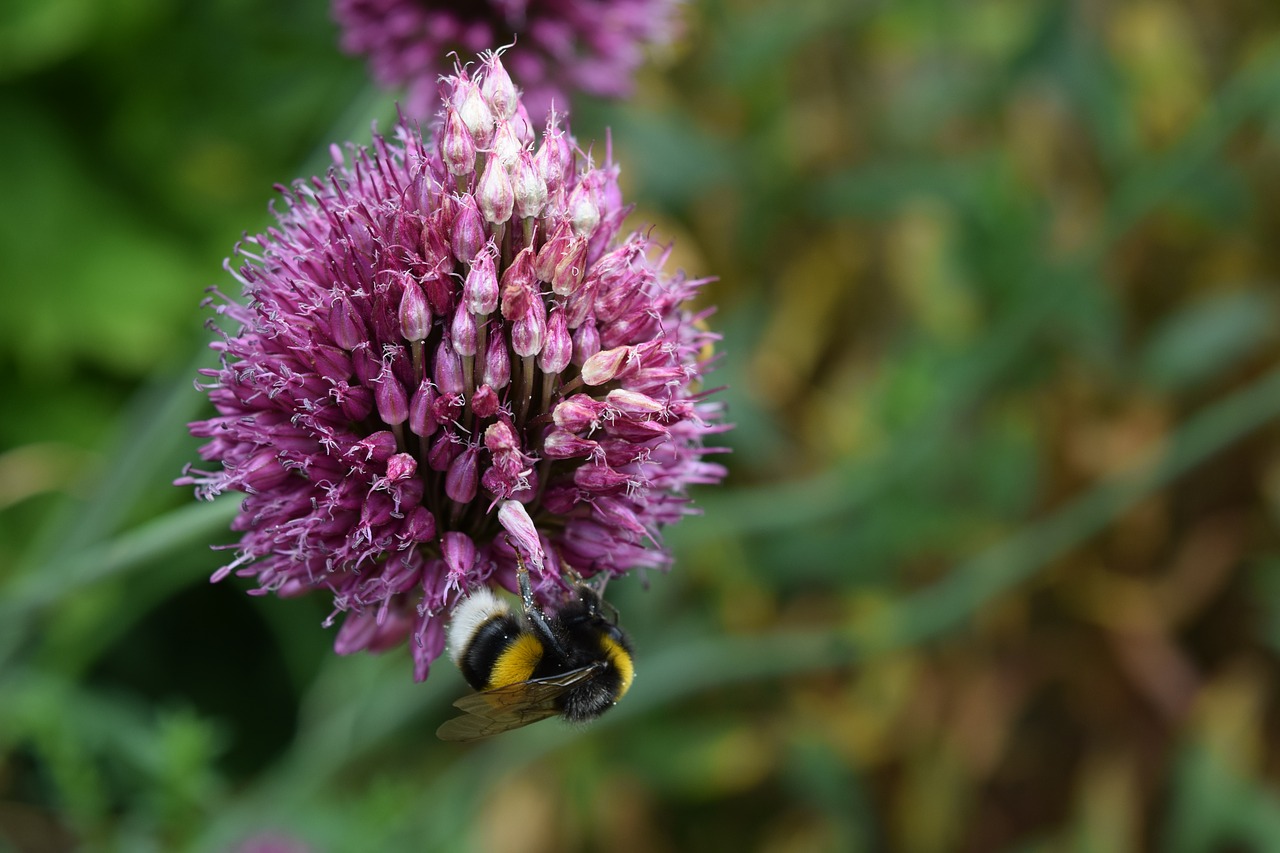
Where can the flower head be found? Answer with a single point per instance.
(564, 45)
(439, 362)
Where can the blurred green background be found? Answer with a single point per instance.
(996, 566)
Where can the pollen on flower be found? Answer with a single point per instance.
(425, 375)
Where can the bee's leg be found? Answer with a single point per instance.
(522, 579)
(531, 609)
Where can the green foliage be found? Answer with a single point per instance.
(995, 566)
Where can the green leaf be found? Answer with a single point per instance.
(1205, 339)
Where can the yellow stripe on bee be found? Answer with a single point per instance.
(621, 660)
(516, 663)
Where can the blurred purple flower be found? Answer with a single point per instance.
(563, 45)
(445, 353)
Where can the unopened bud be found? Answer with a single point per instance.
(519, 285)
(498, 89)
(422, 420)
(586, 342)
(457, 148)
(522, 126)
(346, 324)
(447, 370)
(603, 366)
(494, 194)
(497, 363)
(583, 211)
(633, 403)
(459, 552)
(562, 444)
(474, 111)
(467, 234)
(553, 157)
(528, 332)
(391, 399)
(463, 331)
(528, 186)
(557, 350)
(570, 268)
(515, 519)
(480, 290)
(462, 478)
(415, 314)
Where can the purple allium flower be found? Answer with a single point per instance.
(442, 358)
(563, 45)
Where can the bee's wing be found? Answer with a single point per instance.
(491, 712)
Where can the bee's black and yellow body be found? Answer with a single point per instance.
(528, 665)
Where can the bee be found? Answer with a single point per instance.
(526, 666)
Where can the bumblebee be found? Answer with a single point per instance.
(529, 665)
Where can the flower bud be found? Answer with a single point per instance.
(498, 89)
(392, 401)
(443, 451)
(557, 349)
(377, 448)
(497, 364)
(569, 269)
(522, 126)
(528, 332)
(578, 413)
(356, 401)
(600, 478)
(419, 525)
(467, 234)
(459, 552)
(553, 157)
(462, 478)
(603, 366)
(415, 314)
(447, 370)
(346, 325)
(562, 444)
(553, 250)
(474, 111)
(263, 471)
(586, 342)
(515, 519)
(580, 306)
(457, 147)
(365, 364)
(421, 418)
(583, 212)
(519, 285)
(480, 291)
(633, 403)
(463, 331)
(494, 193)
(529, 187)
(506, 147)
(332, 362)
